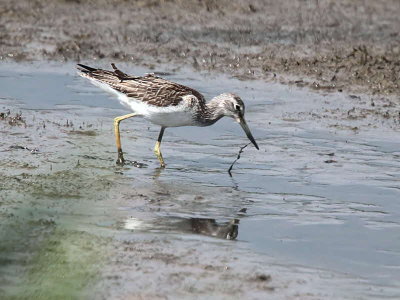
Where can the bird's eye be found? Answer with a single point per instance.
(237, 107)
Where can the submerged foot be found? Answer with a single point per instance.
(162, 163)
(120, 160)
(159, 156)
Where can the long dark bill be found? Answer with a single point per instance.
(246, 129)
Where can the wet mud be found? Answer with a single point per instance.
(313, 215)
(66, 231)
(315, 209)
(325, 45)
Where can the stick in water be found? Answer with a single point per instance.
(237, 158)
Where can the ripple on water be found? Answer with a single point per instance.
(316, 194)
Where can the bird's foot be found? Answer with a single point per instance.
(161, 160)
(159, 155)
(120, 160)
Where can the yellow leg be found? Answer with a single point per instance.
(157, 150)
(117, 120)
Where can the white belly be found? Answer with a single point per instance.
(172, 116)
(170, 119)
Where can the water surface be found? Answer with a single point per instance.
(319, 194)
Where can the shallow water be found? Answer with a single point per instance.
(318, 194)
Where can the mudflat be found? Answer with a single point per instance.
(315, 212)
(327, 45)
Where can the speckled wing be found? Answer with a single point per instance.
(151, 89)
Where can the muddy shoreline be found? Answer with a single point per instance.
(66, 246)
(325, 45)
(74, 223)
(62, 253)
(72, 219)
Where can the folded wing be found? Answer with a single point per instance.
(150, 88)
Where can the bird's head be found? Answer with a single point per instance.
(233, 107)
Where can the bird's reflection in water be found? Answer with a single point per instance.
(204, 226)
(210, 227)
(227, 230)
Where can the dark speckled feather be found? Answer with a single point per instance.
(151, 89)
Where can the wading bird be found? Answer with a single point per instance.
(164, 103)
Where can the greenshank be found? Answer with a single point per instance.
(165, 103)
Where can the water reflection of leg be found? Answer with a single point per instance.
(157, 172)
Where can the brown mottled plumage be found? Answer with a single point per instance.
(150, 88)
(165, 103)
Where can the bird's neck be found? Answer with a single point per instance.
(212, 112)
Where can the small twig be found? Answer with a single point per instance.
(237, 158)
